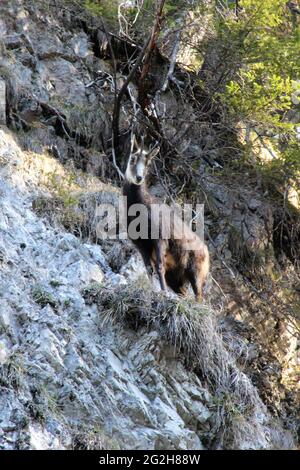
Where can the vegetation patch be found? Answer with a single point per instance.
(12, 372)
(43, 297)
(93, 439)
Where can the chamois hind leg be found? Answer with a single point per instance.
(197, 285)
(198, 272)
(197, 279)
(182, 291)
(159, 265)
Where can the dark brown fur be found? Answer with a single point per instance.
(177, 261)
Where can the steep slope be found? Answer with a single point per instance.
(75, 373)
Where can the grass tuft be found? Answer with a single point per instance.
(241, 418)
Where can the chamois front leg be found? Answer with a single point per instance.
(160, 269)
(147, 263)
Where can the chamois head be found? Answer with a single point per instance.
(138, 162)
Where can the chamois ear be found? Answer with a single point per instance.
(152, 153)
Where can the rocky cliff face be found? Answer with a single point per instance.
(88, 357)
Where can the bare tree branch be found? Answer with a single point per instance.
(118, 100)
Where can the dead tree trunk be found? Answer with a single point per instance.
(2, 102)
(144, 85)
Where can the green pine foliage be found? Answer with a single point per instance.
(265, 40)
(108, 9)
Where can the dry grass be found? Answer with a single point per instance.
(241, 419)
(93, 439)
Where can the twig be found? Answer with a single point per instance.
(218, 285)
(172, 60)
(220, 258)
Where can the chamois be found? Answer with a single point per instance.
(178, 258)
